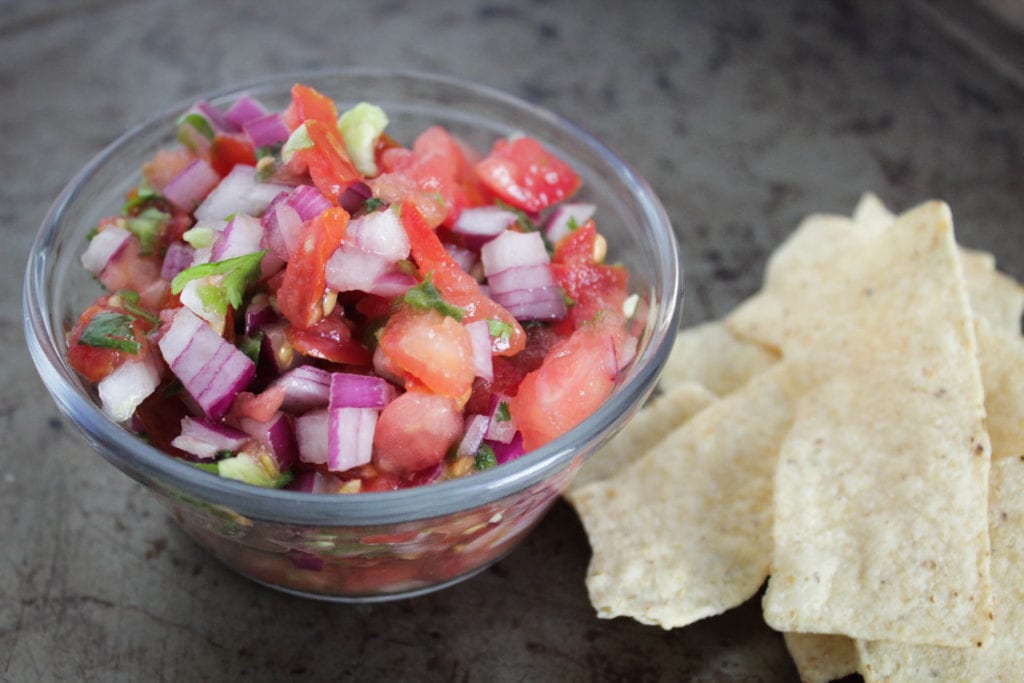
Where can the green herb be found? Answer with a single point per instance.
(129, 295)
(92, 233)
(143, 194)
(140, 312)
(569, 301)
(223, 453)
(267, 151)
(572, 224)
(250, 346)
(265, 170)
(238, 273)
(425, 296)
(172, 388)
(109, 330)
(501, 414)
(485, 458)
(374, 203)
(147, 226)
(199, 123)
(522, 218)
(500, 330)
(210, 467)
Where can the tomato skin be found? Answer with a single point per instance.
(524, 174)
(329, 339)
(226, 152)
(300, 296)
(433, 348)
(309, 104)
(574, 379)
(329, 164)
(95, 363)
(414, 432)
(456, 285)
(594, 287)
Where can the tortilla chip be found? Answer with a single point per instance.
(822, 658)
(872, 214)
(994, 296)
(659, 556)
(644, 431)
(712, 356)
(1001, 659)
(881, 487)
(1001, 356)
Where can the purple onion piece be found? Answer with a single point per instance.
(308, 202)
(259, 314)
(104, 248)
(521, 278)
(178, 257)
(215, 117)
(187, 189)
(350, 437)
(473, 435)
(480, 342)
(558, 223)
(360, 391)
(305, 388)
(243, 110)
(511, 249)
(266, 130)
(504, 453)
(354, 196)
(277, 435)
(304, 560)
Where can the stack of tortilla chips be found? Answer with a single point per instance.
(854, 433)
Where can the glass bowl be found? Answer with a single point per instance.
(367, 546)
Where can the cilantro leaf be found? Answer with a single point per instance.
(250, 346)
(501, 414)
(374, 203)
(109, 330)
(425, 296)
(572, 224)
(500, 330)
(237, 272)
(143, 193)
(147, 226)
(526, 224)
(485, 458)
(199, 123)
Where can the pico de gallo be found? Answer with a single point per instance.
(295, 299)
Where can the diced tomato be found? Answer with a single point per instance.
(309, 104)
(130, 270)
(527, 176)
(399, 188)
(227, 151)
(373, 307)
(456, 285)
(329, 164)
(433, 348)
(593, 288)
(509, 371)
(329, 339)
(578, 246)
(93, 362)
(260, 407)
(300, 296)
(574, 379)
(414, 432)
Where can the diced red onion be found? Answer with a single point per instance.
(243, 235)
(350, 437)
(308, 202)
(354, 196)
(311, 436)
(482, 223)
(465, 257)
(511, 249)
(473, 435)
(103, 247)
(392, 283)
(276, 352)
(303, 560)
(215, 116)
(243, 110)
(557, 225)
(266, 130)
(521, 277)
(123, 390)
(314, 481)
(205, 439)
(212, 371)
(504, 453)
(380, 233)
(352, 269)
(178, 257)
(277, 435)
(501, 431)
(480, 342)
(258, 314)
(238, 192)
(187, 189)
(306, 387)
(548, 308)
(349, 390)
(281, 227)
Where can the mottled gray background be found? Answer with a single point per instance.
(743, 116)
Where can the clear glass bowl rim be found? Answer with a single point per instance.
(151, 466)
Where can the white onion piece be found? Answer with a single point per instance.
(242, 236)
(350, 437)
(211, 370)
(539, 309)
(473, 435)
(381, 233)
(521, 277)
(305, 388)
(205, 439)
(349, 390)
(191, 185)
(392, 283)
(501, 431)
(352, 269)
(511, 249)
(103, 247)
(557, 225)
(480, 342)
(277, 434)
(482, 223)
(123, 390)
(282, 226)
(178, 257)
(311, 436)
(238, 192)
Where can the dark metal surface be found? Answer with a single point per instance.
(744, 117)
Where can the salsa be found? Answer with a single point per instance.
(295, 299)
